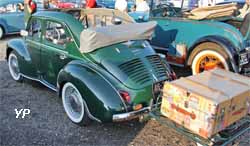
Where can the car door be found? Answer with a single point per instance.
(57, 42)
(14, 18)
(33, 43)
(165, 35)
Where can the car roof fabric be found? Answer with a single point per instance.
(95, 38)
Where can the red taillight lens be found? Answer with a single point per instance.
(125, 96)
(173, 75)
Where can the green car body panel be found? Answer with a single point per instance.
(98, 75)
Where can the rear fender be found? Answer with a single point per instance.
(229, 48)
(100, 96)
(20, 47)
(3, 25)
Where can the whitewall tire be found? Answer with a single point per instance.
(14, 67)
(208, 59)
(73, 104)
(1, 32)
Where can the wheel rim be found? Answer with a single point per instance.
(13, 67)
(208, 59)
(208, 62)
(73, 102)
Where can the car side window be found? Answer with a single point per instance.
(35, 29)
(56, 34)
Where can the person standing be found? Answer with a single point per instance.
(245, 10)
(142, 6)
(192, 4)
(52, 4)
(29, 9)
(142, 10)
(121, 5)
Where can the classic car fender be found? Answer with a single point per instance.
(101, 97)
(228, 47)
(19, 46)
(3, 25)
(24, 58)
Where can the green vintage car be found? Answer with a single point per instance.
(201, 44)
(102, 73)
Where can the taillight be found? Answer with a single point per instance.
(173, 75)
(125, 96)
(137, 107)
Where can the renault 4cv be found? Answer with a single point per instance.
(106, 74)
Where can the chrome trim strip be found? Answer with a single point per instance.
(179, 65)
(34, 79)
(160, 48)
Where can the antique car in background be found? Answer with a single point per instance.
(106, 73)
(11, 17)
(201, 44)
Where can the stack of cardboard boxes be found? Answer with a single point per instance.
(208, 102)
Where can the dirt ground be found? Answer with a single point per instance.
(48, 125)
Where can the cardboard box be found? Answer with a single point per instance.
(208, 102)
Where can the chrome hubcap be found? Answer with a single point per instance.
(13, 67)
(73, 103)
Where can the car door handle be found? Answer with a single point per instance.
(166, 23)
(62, 56)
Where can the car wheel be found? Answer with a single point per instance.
(1, 32)
(14, 67)
(73, 104)
(207, 60)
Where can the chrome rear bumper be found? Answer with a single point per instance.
(135, 114)
(130, 115)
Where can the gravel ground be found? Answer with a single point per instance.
(48, 125)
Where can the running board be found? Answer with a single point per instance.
(41, 81)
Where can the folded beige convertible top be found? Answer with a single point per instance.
(211, 12)
(95, 38)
